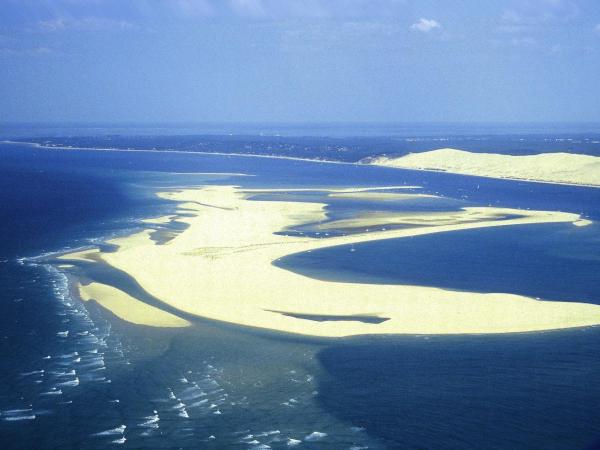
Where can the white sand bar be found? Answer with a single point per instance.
(331, 190)
(220, 268)
(562, 168)
(128, 308)
(380, 196)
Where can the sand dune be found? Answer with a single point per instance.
(220, 268)
(564, 168)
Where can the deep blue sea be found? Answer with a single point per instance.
(75, 376)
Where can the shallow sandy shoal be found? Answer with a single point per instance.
(220, 268)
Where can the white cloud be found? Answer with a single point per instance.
(597, 29)
(425, 25)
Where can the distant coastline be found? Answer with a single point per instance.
(188, 152)
(446, 160)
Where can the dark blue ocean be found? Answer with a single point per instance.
(74, 376)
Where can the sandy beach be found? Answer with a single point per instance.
(221, 268)
(561, 168)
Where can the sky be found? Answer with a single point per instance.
(299, 60)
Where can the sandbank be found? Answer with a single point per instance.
(87, 255)
(559, 168)
(221, 268)
(381, 196)
(331, 190)
(128, 308)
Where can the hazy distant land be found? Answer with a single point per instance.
(558, 167)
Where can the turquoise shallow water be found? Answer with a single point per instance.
(221, 386)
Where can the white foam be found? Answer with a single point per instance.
(33, 372)
(94, 364)
(18, 418)
(151, 421)
(315, 436)
(192, 393)
(70, 383)
(118, 430)
(62, 373)
(52, 392)
(198, 403)
(268, 433)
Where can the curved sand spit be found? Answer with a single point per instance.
(220, 268)
(563, 168)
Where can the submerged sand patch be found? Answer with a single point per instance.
(221, 268)
(416, 219)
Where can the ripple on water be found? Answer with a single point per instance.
(76, 361)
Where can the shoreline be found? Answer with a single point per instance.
(220, 268)
(185, 152)
(597, 186)
(292, 158)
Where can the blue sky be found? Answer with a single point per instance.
(297, 61)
